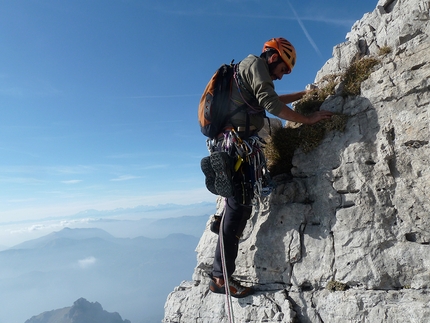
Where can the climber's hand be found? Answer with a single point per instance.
(318, 116)
(311, 87)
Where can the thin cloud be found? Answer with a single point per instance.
(12, 91)
(87, 262)
(124, 178)
(163, 96)
(21, 152)
(58, 225)
(155, 167)
(308, 36)
(34, 212)
(37, 88)
(78, 169)
(32, 228)
(126, 156)
(21, 180)
(72, 181)
(137, 155)
(24, 200)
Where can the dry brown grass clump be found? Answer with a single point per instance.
(335, 286)
(356, 73)
(312, 101)
(384, 50)
(280, 148)
(284, 141)
(312, 135)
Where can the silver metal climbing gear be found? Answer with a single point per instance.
(256, 175)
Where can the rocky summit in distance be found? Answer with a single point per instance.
(82, 311)
(347, 239)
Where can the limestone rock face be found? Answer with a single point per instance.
(347, 239)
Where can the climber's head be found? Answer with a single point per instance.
(280, 55)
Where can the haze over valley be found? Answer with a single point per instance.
(126, 263)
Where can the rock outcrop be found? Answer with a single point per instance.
(347, 239)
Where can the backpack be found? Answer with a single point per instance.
(213, 112)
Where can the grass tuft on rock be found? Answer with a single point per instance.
(281, 146)
(335, 286)
(384, 50)
(283, 143)
(356, 73)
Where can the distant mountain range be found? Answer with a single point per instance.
(139, 212)
(153, 211)
(131, 276)
(82, 311)
(149, 221)
(66, 233)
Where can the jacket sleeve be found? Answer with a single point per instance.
(258, 78)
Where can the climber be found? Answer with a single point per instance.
(252, 86)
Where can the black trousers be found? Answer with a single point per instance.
(235, 217)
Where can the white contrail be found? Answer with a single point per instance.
(311, 41)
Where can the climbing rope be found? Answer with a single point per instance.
(229, 303)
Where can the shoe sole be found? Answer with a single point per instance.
(220, 165)
(221, 290)
(215, 225)
(209, 173)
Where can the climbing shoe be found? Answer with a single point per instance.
(216, 223)
(206, 167)
(221, 165)
(236, 289)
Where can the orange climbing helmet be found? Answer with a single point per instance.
(285, 50)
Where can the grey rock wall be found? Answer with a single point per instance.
(348, 238)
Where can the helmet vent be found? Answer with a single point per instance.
(287, 54)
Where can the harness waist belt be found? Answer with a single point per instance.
(243, 128)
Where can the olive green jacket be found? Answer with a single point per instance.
(253, 86)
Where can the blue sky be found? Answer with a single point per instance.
(98, 98)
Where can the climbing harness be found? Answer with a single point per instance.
(249, 162)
